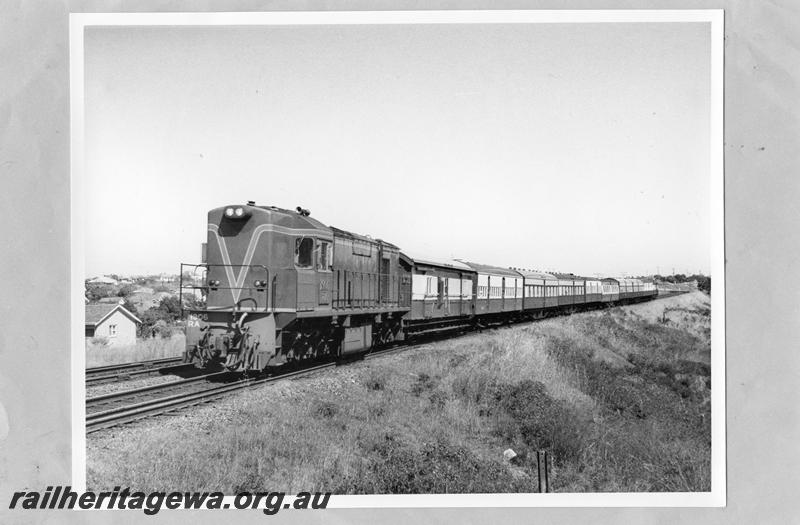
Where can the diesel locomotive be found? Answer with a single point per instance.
(278, 286)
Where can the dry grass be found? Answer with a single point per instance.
(143, 350)
(620, 398)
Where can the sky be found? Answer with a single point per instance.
(563, 147)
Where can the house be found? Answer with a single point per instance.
(111, 322)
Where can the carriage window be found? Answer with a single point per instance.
(304, 252)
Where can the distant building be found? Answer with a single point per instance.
(102, 280)
(112, 322)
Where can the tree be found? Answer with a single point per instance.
(170, 308)
(159, 320)
(95, 292)
(125, 290)
(190, 302)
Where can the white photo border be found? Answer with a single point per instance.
(78, 22)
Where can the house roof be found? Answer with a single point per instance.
(97, 313)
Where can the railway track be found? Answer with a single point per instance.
(122, 407)
(122, 372)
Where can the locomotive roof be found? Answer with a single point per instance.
(485, 268)
(286, 218)
(364, 238)
(295, 220)
(444, 263)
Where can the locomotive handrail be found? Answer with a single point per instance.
(205, 287)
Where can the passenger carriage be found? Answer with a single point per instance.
(442, 291)
(594, 290)
(570, 289)
(498, 290)
(610, 290)
(539, 290)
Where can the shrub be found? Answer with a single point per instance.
(325, 409)
(423, 383)
(375, 379)
(526, 413)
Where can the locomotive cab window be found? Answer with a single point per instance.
(304, 252)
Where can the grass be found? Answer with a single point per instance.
(620, 398)
(143, 350)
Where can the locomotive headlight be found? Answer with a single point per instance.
(236, 213)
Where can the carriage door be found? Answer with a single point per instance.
(442, 302)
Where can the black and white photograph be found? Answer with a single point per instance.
(520, 261)
(467, 258)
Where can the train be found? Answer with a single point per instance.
(276, 286)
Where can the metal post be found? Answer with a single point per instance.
(542, 463)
